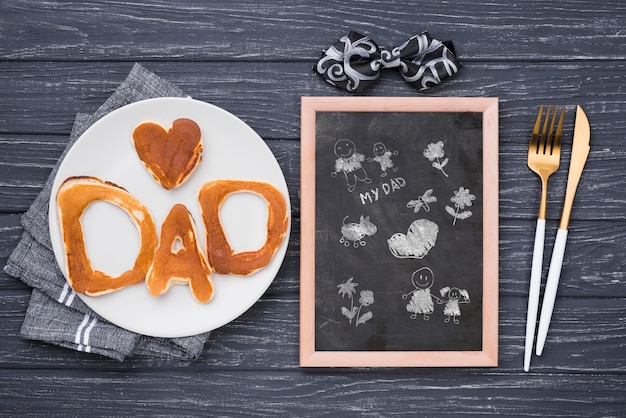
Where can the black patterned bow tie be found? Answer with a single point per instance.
(354, 62)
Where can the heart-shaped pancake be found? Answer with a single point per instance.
(170, 156)
(417, 242)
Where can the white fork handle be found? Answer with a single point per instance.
(552, 284)
(533, 294)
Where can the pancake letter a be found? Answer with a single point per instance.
(178, 259)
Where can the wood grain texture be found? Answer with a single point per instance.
(244, 30)
(266, 95)
(586, 337)
(254, 59)
(276, 394)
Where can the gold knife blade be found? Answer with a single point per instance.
(580, 151)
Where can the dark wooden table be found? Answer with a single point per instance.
(254, 59)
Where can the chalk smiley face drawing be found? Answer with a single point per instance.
(344, 148)
(423, 278)
(379, 148)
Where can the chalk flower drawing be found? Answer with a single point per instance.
(417, 242)
(366, 299)
(455, 296)
(355, 232)
(461, 199)
(434, 153)
(348, 288)
(422, 202)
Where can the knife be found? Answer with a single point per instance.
(580, 151)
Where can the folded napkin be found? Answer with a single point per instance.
(55, 315)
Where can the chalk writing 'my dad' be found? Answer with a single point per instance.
(385, 189)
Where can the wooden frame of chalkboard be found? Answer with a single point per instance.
(399, 232)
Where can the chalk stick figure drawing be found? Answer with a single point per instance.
(383, 157)
(422, 202)
(355, 232)
(417, 242)
(455, 297)
(366, 299)
(461, 199)
(434, 152)
(421, 302)
(349, 162)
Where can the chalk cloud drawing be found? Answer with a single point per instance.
(434, 152)
(366, 299)
(422, 202)
(421, 302)
(455, 297)
(461, 199)
(355, 232)
(383, 157)
(417, 242)
(350, 163)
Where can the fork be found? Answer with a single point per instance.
(544, 155)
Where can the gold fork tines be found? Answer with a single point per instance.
(544, 150)
(544, 155)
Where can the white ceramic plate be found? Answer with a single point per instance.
(231, 150)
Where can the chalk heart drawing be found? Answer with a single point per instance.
(417, 242)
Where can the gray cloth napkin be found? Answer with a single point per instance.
(55, 315)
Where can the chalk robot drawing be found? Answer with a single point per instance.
(350, 163)
(355, 233)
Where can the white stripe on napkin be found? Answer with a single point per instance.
(70, 299)
(63, 293)
(87, 332)
(84, 346)
(66, 292)
(79, 331)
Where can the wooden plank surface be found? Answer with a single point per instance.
(51, 93)
(275, 393)
(287, 30)
(254, 59)
(583, 337)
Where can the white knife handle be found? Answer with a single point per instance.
(552, 284)
(533, 294)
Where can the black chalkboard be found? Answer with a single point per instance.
(398, 231)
